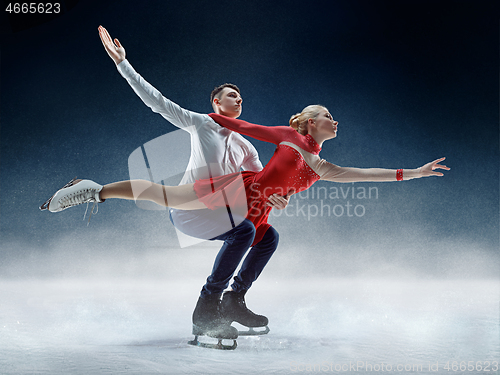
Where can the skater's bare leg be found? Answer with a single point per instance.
(181, 197)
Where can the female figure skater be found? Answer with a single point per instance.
(294, 167)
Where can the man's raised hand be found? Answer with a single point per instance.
(115, 51)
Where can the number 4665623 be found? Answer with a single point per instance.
(40, 8)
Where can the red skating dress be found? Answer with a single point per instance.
(294, 167)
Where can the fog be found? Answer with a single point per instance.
(112, 304)
(141, 326)
(111, 254)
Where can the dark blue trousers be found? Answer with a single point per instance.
(236, 243)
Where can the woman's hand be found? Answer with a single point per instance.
(428, 169)
(115, 51)
(279, 202)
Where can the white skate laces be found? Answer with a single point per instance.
(91, 210)
(82, 195)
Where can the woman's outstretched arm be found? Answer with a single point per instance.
(272, 134)
(331, 172)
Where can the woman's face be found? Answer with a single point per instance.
(325, 124)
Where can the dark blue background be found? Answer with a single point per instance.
(408, 81)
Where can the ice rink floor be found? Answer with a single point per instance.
(141, 326)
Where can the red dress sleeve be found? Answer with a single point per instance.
(272, 134)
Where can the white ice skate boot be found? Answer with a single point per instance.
(72, 194)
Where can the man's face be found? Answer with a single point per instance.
(229, 103)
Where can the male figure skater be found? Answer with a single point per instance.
(224, 152)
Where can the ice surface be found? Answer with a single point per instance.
(141, 326)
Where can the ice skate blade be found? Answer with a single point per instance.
(231, 334)
(252, 332)
(218, 346)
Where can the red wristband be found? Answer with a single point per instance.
(399, 175)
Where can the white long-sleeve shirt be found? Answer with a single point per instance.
(223, 150)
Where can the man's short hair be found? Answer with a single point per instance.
(218, 89)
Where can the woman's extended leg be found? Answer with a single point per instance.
(77, 192)
(181, 197)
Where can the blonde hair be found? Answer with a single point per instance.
(299, 120)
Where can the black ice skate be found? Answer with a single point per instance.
(207, 320)
(234, 309)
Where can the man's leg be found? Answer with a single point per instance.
(207, 317)
(233, 303)
(236, 243)
(256, 260)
